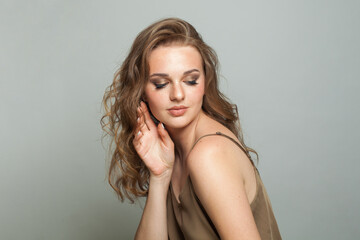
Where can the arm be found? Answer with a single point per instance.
(156, 149)
(153, 223)
(216, 169)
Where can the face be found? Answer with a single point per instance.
(175, 87)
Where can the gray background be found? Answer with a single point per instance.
(292, 67)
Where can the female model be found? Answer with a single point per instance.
(179, 143)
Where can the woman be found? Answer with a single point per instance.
(179, 143)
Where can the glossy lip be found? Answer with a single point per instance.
(177, 111)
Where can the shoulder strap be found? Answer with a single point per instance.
(224, 135)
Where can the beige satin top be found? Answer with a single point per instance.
(187, 219)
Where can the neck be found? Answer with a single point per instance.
(184, 138)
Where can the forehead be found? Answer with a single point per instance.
(174, 58)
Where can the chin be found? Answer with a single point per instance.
(175, 126)
(177, 123)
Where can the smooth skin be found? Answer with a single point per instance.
(222, 175)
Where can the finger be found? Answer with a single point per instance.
(148, 121)
(137, 134)
(165, 137)
(137, 140)
(141, 126)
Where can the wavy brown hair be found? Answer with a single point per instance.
(128, 175)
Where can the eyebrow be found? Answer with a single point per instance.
(166, 75)
(190, 71)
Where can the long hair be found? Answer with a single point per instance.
(128, 175)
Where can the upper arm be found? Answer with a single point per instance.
(215, 166)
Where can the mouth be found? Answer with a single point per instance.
(177, 111)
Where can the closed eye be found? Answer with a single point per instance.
(193, 80)
(159, 85)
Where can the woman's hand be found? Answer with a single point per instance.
(153, 144)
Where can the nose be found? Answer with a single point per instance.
(177, 93)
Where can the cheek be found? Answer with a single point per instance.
(198, 93)
(149, 94)
(155, 100)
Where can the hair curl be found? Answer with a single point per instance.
(128, 175)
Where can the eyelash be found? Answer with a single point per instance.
(191, 82)
(159, 86)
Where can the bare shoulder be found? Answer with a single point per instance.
(219, 170)
(215, 150)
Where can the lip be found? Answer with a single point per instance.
(177, 111)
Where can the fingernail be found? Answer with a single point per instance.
(162, 125)
(138, 133)
(138, 119)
